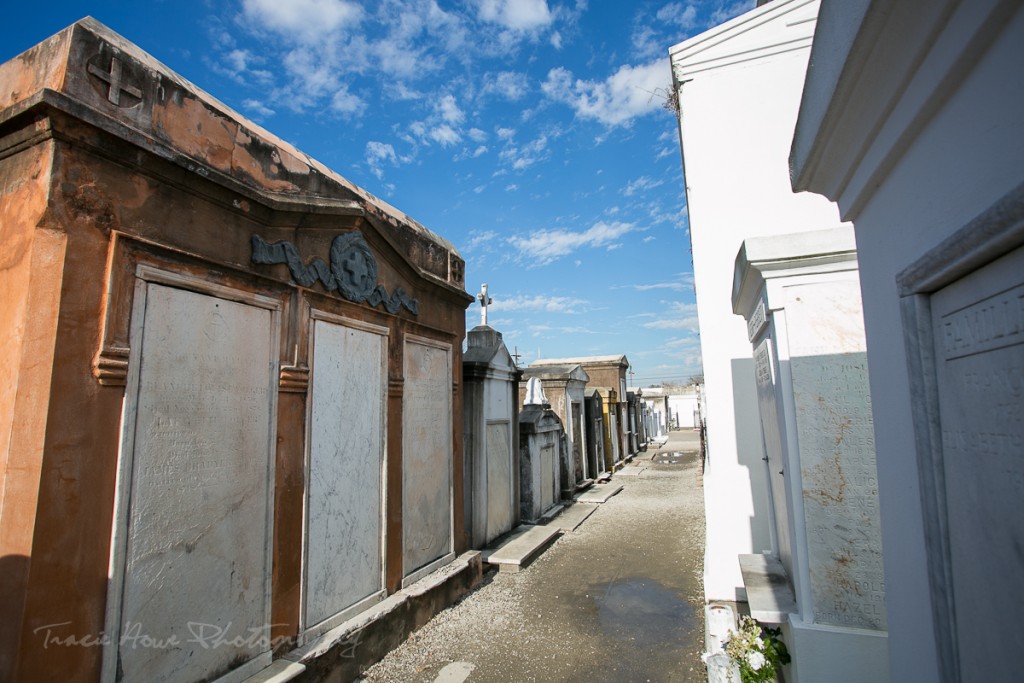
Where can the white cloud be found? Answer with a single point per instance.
(479, 188)
(538, 302)
(511, 188)
(726, 11)
(258, 108)
(307, 21)
(511, 85)
(683, 16)
(444, 135)
(677, 316)
(556, 40)
(641, 184)
(547, 246)
(480, 239)
(505, 133)
(344, 102)
(479, 151)
(449, 111)
(629, 92)
(378, 152)
(516, 15)
(476, 135)
(521, 157)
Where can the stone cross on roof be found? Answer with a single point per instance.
(485, 301)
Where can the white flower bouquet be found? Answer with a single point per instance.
(757, 651)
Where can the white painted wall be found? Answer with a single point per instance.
(739, 94)
(936, 139)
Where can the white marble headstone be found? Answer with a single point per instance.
(978, 333)
(426, 455)
(837, 454)
(500, 510)
(346, 454)
(194, 603)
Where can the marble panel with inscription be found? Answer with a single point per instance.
(978, 332)
(765, 368)
(548, 477)
(500, 512)
(426, 455)
(835, 433)
(195, 591)
(346, 452)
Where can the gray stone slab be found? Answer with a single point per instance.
(768, 592)
(523, 547)
(630, 471)
(426, 454)
(344, 516)
(196, 560)
(572, 516)
(600, 493)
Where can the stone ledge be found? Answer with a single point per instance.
(599, 494)
(769, 595)
(347, 650)
(522, 548)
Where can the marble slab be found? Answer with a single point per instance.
(978, 333)
(500, 510)
(426, 454)
(835, 433)
(601, 493)
(196, 570)
(766, 376)
(346, 454)
(548, 477)
(523, 547)
(572, 516)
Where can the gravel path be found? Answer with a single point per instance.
(618, 599)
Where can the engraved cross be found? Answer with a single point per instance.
(485, 301)
(113, 79)
(355, 265)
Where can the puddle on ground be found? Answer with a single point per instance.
(668, 459)
(641, 609)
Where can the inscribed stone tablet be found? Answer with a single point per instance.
(499, 479)
(548, 477)
(979, 347)
(426, 455)
(764, 370)
(194, 600)
(343, 537)
(835, 433)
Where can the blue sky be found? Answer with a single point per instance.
(529, 133)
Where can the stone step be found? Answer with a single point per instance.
(572, 516)
(630, 471)
(600, 493)
(522, 548)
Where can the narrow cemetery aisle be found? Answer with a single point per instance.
(618, 599)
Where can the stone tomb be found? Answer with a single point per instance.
(610, 372)
(541, 444)
(963, 303)
(491, 419)
(800, 295)
(594, 414)
(564, 385)
(232, 377)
